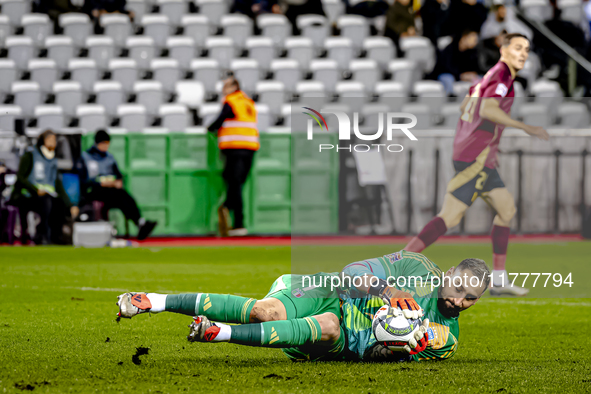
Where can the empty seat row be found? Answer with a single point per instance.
(91, 117)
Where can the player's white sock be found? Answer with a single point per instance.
(158, 302)
(500, 278)
(225, 333)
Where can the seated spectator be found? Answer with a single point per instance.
(464, 15)
(501, 18)
(294, 8)
(434, 14)
(96, 8)
(253, 8)
(101, 180)
(489, 50)
(54, 8)
(39, 189)
(366, 8)
(458, 61)
(400, 21)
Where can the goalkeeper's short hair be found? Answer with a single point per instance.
(478, 268)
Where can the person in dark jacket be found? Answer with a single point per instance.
(39, 188)
(458, 61)
(101, 180)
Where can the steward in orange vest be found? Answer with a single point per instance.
(238, 139)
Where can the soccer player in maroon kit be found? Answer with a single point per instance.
(485, 113)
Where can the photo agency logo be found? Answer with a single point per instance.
(392, 126)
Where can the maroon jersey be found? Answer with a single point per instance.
(474, 134)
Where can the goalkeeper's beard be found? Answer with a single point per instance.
(445, 310)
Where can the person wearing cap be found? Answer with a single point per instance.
(101, 180)
(39, 189)
(238, 139)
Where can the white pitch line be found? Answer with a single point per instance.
(538, 302)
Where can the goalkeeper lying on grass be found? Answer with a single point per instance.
(310, 319)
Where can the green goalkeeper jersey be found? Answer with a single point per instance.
(409, 272)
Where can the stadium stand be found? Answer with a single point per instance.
(91, 70)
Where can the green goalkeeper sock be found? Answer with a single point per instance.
(217, 307)
(279, 334)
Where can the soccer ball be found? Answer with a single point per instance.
(392, 329)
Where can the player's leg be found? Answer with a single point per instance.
(462, 190)
(321, 330)
(503, 203)
(220, 307)
(450, 215)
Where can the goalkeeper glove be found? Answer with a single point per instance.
(409, 307)
(418, 342)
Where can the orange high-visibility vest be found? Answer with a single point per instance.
(240, 132)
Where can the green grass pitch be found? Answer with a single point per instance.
(58, 331)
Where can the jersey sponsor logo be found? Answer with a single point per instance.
(394, 257)
(501, 90)
(298, 293)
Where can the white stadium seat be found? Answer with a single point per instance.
(355, 28)
(339, 49)
(68, 94)
(173, 9)
(221, 49)
(84, 71)
(380, 49)
(91, 117)
(60, 49)
(327, 71)
(274, 26)
(181, 48)
(174, 117)
(27, 95)
(49, 117)
(156, 26)
(142, 50)
(421, 50)
(8, 114)
(392, 94)
(238, 27)
(20, 49)
(110, 95)
(271, 93)
(44, 72)
(300, 48)
(365, 71)
(207, 72)
(77, 26)
(262, 50)
(197, 27)
(36, 26)
(132, 117)
(125, 71)
(247, 72)
(101, 49)
(316, 27)
(213, 9)
(149, 94)
(167, 72)
(288, 71)
(116, 26)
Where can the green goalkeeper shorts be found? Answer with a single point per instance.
(308, 301)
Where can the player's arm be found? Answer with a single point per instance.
(441, 353)
(489, 109)
(369, 277)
